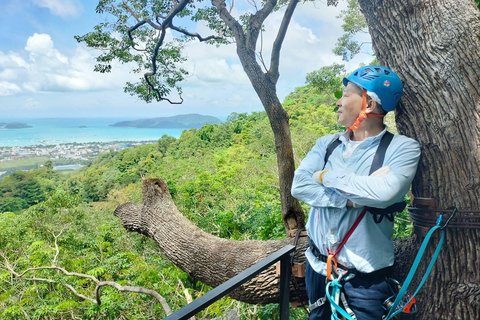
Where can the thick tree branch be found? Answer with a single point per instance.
(256, 22)
(231, 22)
(277, 45)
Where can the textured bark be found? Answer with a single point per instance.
(206, 258)
(435, 48)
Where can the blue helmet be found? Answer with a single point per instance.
(381, 81)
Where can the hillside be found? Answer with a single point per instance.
(186, 121)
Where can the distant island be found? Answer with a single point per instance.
(186, 121)
(82, 127)
(14, 125)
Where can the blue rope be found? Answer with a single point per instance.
(392, 313)
(336, 286)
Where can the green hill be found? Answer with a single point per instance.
(186, 121)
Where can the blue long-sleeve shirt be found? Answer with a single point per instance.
(370, 247)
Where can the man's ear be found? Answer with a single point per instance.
(371, 106)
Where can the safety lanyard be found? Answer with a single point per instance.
(332, 255)
(392, 313)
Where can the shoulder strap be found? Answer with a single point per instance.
(380, 153)
(330, 149)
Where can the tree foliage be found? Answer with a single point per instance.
(151, 34)
(354, 22)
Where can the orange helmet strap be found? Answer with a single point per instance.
(363, 115)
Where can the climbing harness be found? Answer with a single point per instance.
(403, 304)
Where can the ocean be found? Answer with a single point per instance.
(52, 131)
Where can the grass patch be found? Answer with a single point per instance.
(23, 164)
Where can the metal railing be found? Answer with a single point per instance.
(282, 255)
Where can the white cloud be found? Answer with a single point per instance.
(61, 8)
(46, 69)
(8, 88)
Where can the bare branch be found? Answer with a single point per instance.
(98, 283)
(277, 45)
(57, 251)
(260, 55)
(72, 289)
(121, 288)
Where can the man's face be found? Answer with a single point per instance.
(349, 105)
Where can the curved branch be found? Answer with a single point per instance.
(121, 288)
(206, 258)
(195, 35)
(277, 45)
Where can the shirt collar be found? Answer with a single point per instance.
(345, 137)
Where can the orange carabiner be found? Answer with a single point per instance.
(330, 258)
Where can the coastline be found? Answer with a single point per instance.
(45, 132)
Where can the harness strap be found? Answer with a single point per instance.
(317, 304)
(332, 255)
(332, 146)
(346, 306)
(379, 157)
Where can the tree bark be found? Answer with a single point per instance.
(206, 258)
(435, 48)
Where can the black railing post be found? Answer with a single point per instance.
(285, 273)
(282, 255)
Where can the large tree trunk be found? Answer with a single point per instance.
(435, 48)
(206, 258)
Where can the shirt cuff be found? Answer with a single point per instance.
(329, 178)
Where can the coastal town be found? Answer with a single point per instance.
(72, 155)
(80, 151)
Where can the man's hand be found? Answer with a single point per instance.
(383, 171)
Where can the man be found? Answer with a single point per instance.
(341, 188)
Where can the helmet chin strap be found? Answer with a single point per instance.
(363, 115)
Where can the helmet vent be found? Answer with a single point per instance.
(370, 76)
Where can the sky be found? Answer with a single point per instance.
(45, 73)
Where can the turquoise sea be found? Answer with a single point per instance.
(48, 131)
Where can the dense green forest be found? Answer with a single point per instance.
(223, 177)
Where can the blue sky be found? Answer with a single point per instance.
(44, 72)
